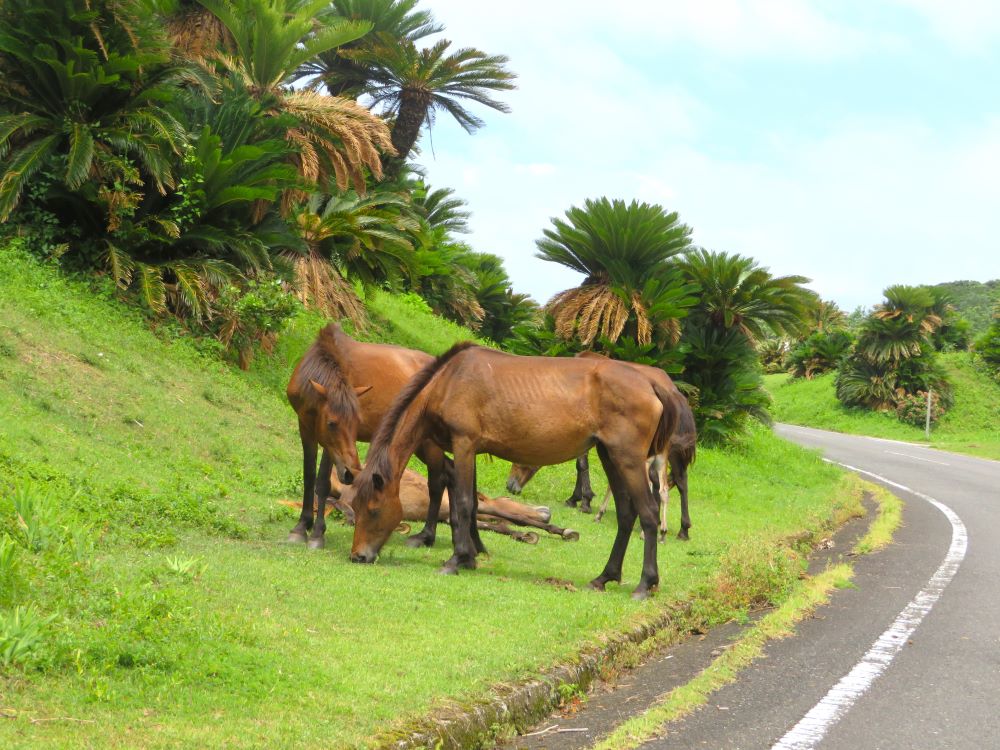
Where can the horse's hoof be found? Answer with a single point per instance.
(528, 537)
(682, 535)
(448, 570)
(317, 543)
(598, 517)
(571, 503)
(597, 585)
(569, 535)
(640, 594)
(663, 537)
(419, 540)
(586, 509)
(544, 512)
(296, 537)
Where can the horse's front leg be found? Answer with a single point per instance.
(680, 476)
(317, 539)
(461, 501)
(299, 533)
(437, 478)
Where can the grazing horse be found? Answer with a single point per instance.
(340, 390)
(680, 455)
(532, 410)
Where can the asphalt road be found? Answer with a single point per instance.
(940, 687)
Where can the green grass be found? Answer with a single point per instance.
(165, 610)
(971, 426)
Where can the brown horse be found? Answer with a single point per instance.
(340, 390)
(532, 410)
(413, 496)
(680, 455)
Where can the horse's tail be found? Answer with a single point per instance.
(668, 421)
(685, 443)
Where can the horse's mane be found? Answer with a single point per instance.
(378, 451)
(322, 363)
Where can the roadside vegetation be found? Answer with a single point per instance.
(970, 426)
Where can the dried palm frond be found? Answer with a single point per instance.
(197, 32)
(320, 286)
(342, 138)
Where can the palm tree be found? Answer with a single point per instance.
(624, 252)
(86, 95)
(439, 208)
(363, 238)
(413, 84)
(901, 326)
(395, 19)
(825, 316)
(272, 39)
(737, 293)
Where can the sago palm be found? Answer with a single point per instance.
(624, 252)
(414, 84)
(272, 39)
(391, 19)
(738, 294)
(900, 327)
(85, 92)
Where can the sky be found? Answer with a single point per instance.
(854, 142)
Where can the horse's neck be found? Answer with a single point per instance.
(411, 430)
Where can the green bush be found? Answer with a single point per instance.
(252, 316)
(912, 408)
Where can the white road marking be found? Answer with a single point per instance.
(835, 704)
(918, 458)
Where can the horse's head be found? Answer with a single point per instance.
(377, 512)
(519, 476)
(337, 430)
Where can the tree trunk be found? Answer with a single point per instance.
(414, 105)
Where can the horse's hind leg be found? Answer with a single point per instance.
(661, 491)
(477, 540)
(680, 475)
(437, 478)
(626, 520)
(583, 493)
(317, 540)
(300, 530)
(604, 505)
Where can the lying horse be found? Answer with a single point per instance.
(340, 390)
(414, 499)
(680, 455)
(533, 410)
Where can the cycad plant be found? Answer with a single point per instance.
(630, 287)
(413, 84)
(84, 96)
(894, 355)
(818, 353)
(740, 304)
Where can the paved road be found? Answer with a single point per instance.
(942, 689)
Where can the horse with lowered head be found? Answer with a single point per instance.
(532, 410)
(340, 390)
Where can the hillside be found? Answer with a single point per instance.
(972, 425)
(974, 301)
(147, 598)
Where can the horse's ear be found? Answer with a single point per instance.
(318, 388)
(378, 482)
(361, 390)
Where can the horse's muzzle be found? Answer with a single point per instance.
(513, 486)
(363, 557)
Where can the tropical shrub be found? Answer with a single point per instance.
(894, 356)
(912, 408)
(818, 353)
(252, 316)
(773, 353)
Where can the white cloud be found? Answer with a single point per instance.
(969, 25)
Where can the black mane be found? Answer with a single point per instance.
(378, 451)
(322, 363)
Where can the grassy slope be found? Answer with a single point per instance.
(971, 426)
(187, 623)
